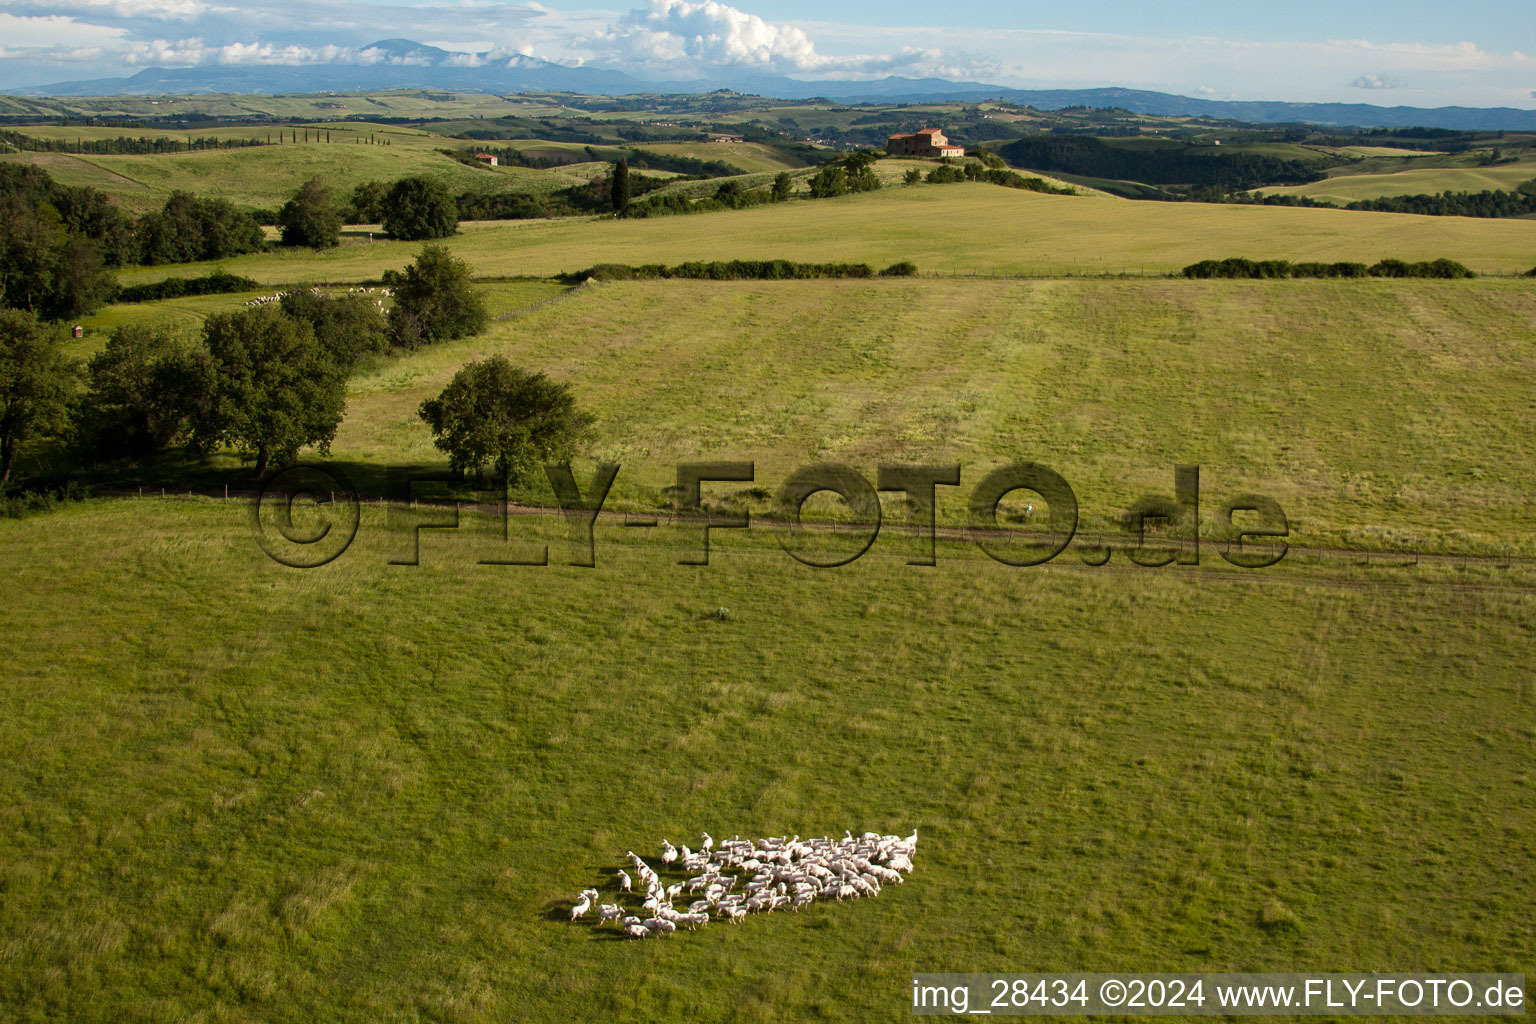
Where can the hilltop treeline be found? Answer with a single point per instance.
(60, 240)
(123, 145)
(370, 201)
(1239, 268)
(1170, 165)
(1457, 204)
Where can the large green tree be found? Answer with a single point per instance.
(368, 202)
(434, 300)
(348, 327)
(310, 217)
(189, 228)
(494, 414)
(46, 268)
(830, 181)
(419, 208)
(146, 388)
(36, 381)
(273, 388)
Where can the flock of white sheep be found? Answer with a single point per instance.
(262, 300)
(770, 874)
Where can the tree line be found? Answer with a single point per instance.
(1170, 165)
(636, 159)
(266, 381)
(124, 145)
(1488, 203)
(61, 241)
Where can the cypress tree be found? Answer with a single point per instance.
(620, 186)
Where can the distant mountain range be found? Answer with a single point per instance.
(404, 64)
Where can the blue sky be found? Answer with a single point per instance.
(1409, 53)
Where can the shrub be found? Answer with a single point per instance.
(732, 270)
(493, 413)
(906, 268)
(216, 283)
(1244, 268)
(1443, 268)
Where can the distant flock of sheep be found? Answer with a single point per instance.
(383, 293)
(770, 874)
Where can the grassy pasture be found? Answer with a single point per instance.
(1307, 391)
(951, 229)
(240, 792)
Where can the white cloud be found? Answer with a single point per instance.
(56, 32)
(194, 52)
(1374, 82)
(710, 34)
(152, 10)
(672, 37)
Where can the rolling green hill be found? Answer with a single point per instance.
(265, 177)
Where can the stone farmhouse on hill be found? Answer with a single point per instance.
(928, 142)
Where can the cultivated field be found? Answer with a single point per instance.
(1346, 188)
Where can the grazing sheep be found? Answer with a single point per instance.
(773, 873)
